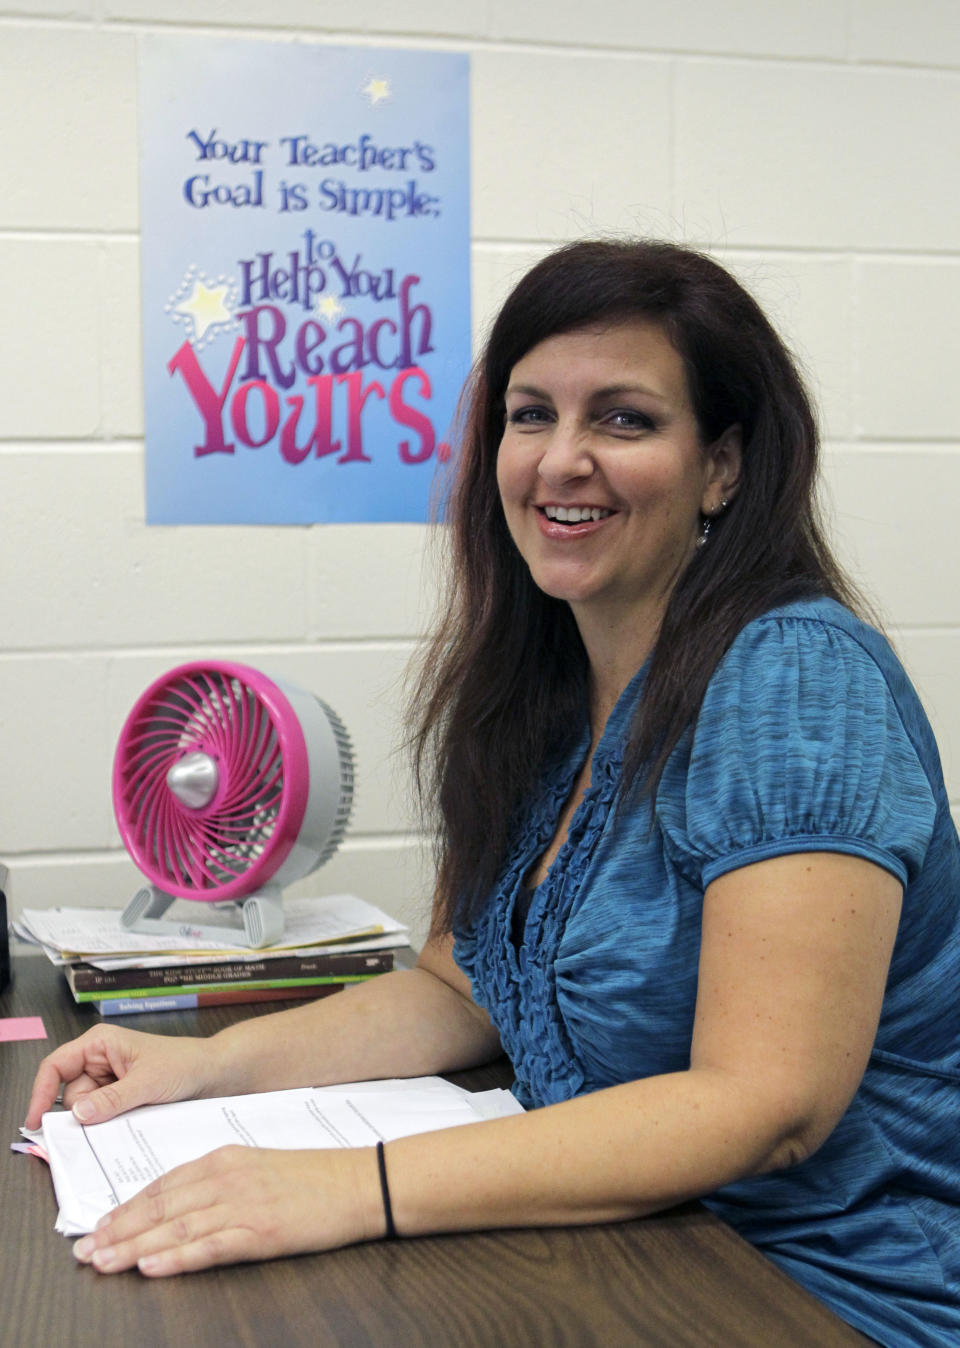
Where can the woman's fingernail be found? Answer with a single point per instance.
(149, 1263)
(83, 1110)
(84, 1249)
(105, 1257)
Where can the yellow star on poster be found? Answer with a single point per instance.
(376, 90)
(329, 307)
(206, 306)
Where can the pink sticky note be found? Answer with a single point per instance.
(21, 1027)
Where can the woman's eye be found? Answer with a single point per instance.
(628, 419)
(528, 416)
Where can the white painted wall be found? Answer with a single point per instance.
(812, 144)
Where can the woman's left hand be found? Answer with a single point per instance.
(239, 1204)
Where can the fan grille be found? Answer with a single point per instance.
(345, 793)
(222, 849)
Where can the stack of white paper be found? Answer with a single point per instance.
(96, 1168)
(310, 926)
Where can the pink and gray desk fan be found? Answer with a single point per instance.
(227, 786)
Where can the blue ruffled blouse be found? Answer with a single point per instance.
(810, 738)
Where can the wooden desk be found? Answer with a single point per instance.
(682, 1278)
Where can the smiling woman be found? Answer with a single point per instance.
(671, 776)
(709, 380)
(698, 876)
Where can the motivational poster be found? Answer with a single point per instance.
(305, 265)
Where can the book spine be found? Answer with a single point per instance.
(85, 978)
(291, 987)
(129, 1006)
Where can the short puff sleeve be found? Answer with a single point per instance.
(799, 746)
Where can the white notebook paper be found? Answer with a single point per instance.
(96, 1168)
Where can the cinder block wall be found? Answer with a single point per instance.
(811, 144)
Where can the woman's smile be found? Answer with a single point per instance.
(562, 522)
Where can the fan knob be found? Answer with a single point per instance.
(194, 779)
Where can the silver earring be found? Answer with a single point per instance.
(707, 519)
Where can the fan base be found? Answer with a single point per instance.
(259, 919)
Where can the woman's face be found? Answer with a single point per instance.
(602, 475)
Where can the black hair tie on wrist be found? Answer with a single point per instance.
(391, 1231)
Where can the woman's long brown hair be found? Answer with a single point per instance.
(501, 687)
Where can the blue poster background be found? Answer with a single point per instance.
(305, 278)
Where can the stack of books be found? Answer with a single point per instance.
(279, 977)
(327, 944)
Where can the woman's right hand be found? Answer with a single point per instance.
(109, 1070)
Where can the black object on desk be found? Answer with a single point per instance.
(4, 933)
